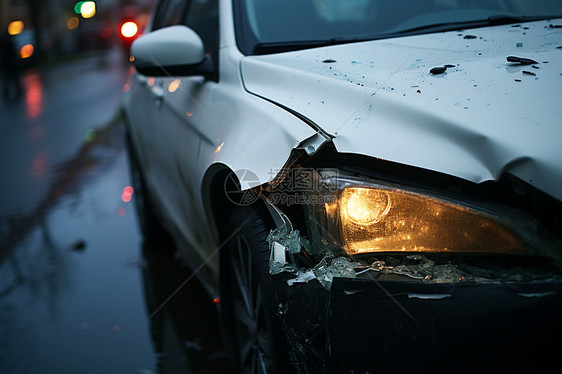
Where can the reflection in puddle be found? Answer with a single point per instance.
(33, 95)
(186, 331)
(37, 131)
(40, 163)
(61, 275)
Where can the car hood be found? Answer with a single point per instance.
(481, 118)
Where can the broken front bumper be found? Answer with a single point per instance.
(369, 325)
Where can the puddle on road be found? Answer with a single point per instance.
(77, 285)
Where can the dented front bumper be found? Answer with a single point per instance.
(370, 325)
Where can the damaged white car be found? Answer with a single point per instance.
(364, 183)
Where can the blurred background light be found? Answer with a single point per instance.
(26, 51)
(78, 7)
(15, 27)
(88, 9)
(129, 29)
(72, 23)
(127, 194)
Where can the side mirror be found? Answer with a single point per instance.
(174, 50)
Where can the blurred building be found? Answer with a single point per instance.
(11, 10)
(55, 28)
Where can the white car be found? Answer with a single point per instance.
(363, 183)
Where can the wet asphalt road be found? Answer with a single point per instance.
(77, 283)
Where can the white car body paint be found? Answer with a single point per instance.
(181, 133)
(370, 108)
(475, 121)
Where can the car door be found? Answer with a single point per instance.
(177, 134)
(146, 98)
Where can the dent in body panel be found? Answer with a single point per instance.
(473, 121)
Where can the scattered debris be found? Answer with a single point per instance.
(441, 69)
(536, 294)
(529, 72)
(291, 240)
(134, 261)
(329, 61)
(278, 259)
(470, 37)
(79, 246)
(421, 268)
(283, 243)
(429, 296)
(519, 45)
(438, 70)
(521, 60)
(339, 267)
(195, 345)
(302, 277)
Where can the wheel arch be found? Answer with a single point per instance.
(217, 205)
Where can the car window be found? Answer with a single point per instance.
(169, 13)
(290, 21)
(202, 16)
(343, 10)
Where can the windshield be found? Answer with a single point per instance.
(291, 23)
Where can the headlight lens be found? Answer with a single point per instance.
(364, 206)
(380, 220)
(364, 216)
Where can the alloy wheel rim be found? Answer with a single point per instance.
(254, 345)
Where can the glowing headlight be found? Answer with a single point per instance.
(365, 216)
(379, 220)
(364, 206)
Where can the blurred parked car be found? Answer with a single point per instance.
(365, 185)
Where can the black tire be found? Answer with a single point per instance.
(150, 225)
(252, 326)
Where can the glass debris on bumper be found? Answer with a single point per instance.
(413, 267)
(412, 302)
(374, 230)
(335, 285)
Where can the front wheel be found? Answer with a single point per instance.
(253, 328)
